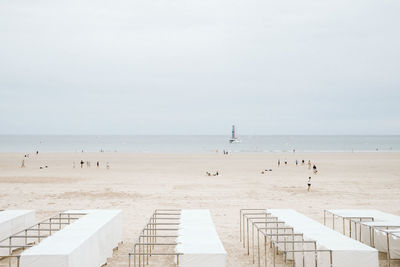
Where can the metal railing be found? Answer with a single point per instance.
(34, 234)
(162, 225)
(277, 236)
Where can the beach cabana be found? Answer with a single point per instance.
(372, 227)
(189, 236)
(87, 242)
(11, 222)
(301, 240)
(75, 238)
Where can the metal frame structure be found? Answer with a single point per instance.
(38, 231)
(163, 224)
(362, 221)
(276, 233)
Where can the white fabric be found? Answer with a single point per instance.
(87, 242)
(380, 220)
(198, 241)
(346, 252)
(380, 237)
(11, 222)
(376, 214)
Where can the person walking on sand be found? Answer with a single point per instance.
(297, 162)
(98, 164)
(309, 164)
(108, 166)
(315, 169)
(309, 184)
(82, 164)
(279, 162)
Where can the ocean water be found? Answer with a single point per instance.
(197, 143)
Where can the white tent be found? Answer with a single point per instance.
(11, 222)
(370, 231)
(87, 242)
(198, 241)
(346, 252)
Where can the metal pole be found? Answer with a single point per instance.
(248, 238)
(388, 248)
(344, 227)
(258, 247)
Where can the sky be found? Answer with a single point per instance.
(197, 67)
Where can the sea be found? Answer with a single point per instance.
(199, 143)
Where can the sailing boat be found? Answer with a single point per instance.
(234, 139)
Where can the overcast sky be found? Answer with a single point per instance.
(197, 67)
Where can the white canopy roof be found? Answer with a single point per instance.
(346, 251)
(376, 214)
(13, 221)
(198, 240)
(87, 242)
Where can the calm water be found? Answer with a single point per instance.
(197, 144)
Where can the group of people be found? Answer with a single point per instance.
(27, 156)
(88, 164)
(212, 174)
(309, 164)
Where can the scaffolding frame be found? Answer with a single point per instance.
(361, 221)
(270, 227)
(38, 233)
(161, 221)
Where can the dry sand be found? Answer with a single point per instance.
(140, 183)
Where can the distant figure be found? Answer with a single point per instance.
(23, 164)
(37, 152)
(98, 164)
(208, 173)
(297, 163)
(315, 169)
(309, 184)
(87, 164)
(285, 162)
(279, 162)
(309, 164)
(302, 162)
(82, 164)
(217, 173)
(108, 166)
(73, 164)
(294, 150)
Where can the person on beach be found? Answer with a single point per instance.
(309, 184)
(297, 162)
(37, 152)
(315, 169)
(82, 164)
(302, 162)
(108, 166)
(309, 164)
(23, 164)
(98, 164)
(285, 162)
(279, 162)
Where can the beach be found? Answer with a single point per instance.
(142, 182)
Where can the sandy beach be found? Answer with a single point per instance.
(140, 183)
